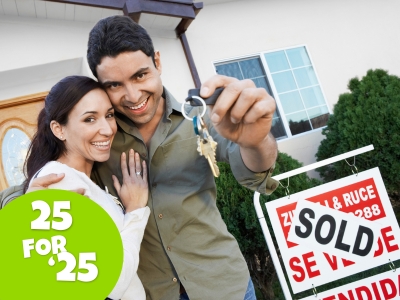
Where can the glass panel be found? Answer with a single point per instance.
(312, 96)
(251, 68)
(298, 57)
(277, 61)
(278, 130)
(298, 122)
(305, 77)
(318, 116)
(14, 150)
(230, 69)
(262, 83)
(254, 70)
(291, 102)
(284, 82)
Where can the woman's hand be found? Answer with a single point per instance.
(134, 191)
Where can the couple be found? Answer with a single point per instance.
(186, 251)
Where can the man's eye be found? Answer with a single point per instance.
(141, 75)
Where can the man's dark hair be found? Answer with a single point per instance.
(114, 35)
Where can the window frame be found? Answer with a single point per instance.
(261, 56)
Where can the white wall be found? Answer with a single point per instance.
(345, 38)
(36, 53)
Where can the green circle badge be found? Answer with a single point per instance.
(57, 244)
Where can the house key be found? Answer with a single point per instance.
(206, 146)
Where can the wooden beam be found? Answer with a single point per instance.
(185, 22)
(113, 4)
(189, 58)
(162, 8)
(23, 100)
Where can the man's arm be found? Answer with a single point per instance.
(38, 184)
(10, 194)
(243, 114)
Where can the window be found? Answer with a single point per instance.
(288, 75)
(14, 149)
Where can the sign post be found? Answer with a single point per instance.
(333, 230)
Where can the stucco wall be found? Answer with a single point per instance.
(36, 53)
(345, 38)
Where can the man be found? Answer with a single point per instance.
(187, 251)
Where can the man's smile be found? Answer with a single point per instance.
(141, 107)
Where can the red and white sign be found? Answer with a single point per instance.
(329, 230)
(365, 197)
(379, 287)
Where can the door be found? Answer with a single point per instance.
(18, 120)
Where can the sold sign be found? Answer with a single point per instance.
(335, 232)
(340, 225)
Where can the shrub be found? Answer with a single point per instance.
(236, 206)
(368, 114)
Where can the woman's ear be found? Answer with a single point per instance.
(57, 130)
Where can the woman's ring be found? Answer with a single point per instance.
(138, 173)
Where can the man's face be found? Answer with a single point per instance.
(133, 84)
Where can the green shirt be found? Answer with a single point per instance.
(186, 239)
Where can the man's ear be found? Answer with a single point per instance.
(57, 130)
(157, 61)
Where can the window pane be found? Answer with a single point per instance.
(251, 68)
(231, 69)
(284, 82)
(298, 123)
(277, 61)
(305, 77)
(298, 57)
(318, 116)
(14, 150)
(312, 96)
(291, 102)
(277, 130)
(262, 83)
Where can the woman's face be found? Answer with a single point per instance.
(90, 129)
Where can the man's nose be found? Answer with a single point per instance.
(132, 93)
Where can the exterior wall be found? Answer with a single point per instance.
(345, 38)
(36, 53)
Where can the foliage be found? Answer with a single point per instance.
(368, 114)
(236, 206)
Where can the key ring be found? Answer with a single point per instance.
(202, 102)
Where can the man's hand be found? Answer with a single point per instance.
(243, 114)
(42, 183)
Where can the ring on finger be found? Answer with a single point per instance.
(138, 173)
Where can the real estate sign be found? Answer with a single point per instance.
(335, 230)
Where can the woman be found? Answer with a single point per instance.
(76, 128)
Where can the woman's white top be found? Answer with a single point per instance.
(130, 225)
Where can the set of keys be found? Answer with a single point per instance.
(206, 146)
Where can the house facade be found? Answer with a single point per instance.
(302, 52)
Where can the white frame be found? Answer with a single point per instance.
(263, 223)
(272, 84)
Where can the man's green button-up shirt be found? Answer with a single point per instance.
(186, 241)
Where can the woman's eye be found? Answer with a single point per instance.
(89, 120)
(112, 85)
(110, 115)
